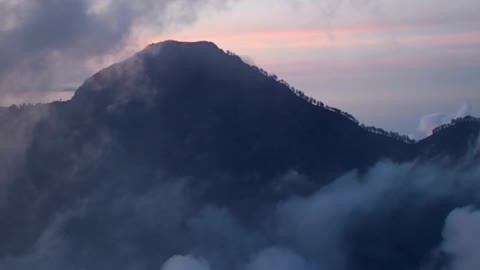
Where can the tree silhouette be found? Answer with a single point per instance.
(320, 104)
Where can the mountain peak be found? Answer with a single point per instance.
(461, 121)
(179, 46)
(453, 139)
(162, 67)
(171, 42)
(201, 104)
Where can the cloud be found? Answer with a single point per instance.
(360, 221)
(215, 227)
(48, 245)
(248, 60)
(330, 8)
(365, 219)
(185, 263)
(429, 122)
(315, 224)
(52, 45)
(461, 243)
(277, 258)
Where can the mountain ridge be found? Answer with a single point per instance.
(132, 80)
(153, 49)
(205, 47)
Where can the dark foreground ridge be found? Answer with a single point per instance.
(102, 172)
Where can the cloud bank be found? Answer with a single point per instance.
(394, 216)
(460, 242)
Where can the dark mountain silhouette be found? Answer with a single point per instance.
(193, 112)
(452, 140)
(202, 111)
(196, 110)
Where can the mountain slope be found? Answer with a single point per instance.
(453, 140)
(185, 148)
(208, 110)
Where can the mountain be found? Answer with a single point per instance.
(453, 140)
(207, 111)
(197, 110)
(188, 113)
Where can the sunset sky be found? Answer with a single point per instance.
(390, 63)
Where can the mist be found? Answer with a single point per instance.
(415, 215)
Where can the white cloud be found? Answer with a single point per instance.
(278, 259)
(461, 243)
(429, 122)
(185, 263)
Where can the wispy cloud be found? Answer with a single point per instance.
(429, 122)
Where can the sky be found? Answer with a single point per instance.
(405, 66)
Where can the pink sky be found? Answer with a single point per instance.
(382, 52)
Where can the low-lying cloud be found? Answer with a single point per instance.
(185, 263)
(395, 216)
(460, 242)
